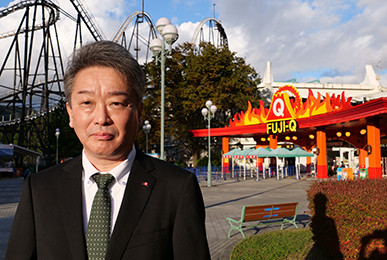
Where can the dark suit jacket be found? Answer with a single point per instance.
(161, 220)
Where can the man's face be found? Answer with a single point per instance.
(104, 113)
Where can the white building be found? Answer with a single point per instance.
(369, 89)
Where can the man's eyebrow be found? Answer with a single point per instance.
(118, 93)
(110, 93)
(84, 91)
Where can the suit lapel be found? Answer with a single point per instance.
(137, 192)
(70, 192)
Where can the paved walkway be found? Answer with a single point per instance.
(224, 199)
(9, 198)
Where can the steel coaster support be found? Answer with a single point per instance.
(78, 29)
(82, 12)
(31, 126)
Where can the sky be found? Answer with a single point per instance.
(329, 40)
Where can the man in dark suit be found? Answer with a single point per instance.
(157, 210)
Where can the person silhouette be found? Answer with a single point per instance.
(325, 237)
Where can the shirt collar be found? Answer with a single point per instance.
(119, 172)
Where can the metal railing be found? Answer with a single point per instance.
(240, 173)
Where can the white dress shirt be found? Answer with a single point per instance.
(117, 189)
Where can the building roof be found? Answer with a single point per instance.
(8, 150)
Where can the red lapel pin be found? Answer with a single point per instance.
(146, 184)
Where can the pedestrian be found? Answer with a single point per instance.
(146, 208)
(342, 165)
(26, 173)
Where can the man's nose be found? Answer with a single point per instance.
(102, 116)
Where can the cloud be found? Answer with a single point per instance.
(307, 35)
(307, 38)
(186, 31)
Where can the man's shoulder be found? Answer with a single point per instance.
(162, 168)
(161, 164)
(170, 179)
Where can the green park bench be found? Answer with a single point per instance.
(265, 214)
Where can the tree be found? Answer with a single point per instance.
(193, 77)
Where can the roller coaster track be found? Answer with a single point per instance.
(7, 121)
(51, 7)
(136, 38)
(24, 88)
(31, 73)
(19, 90)
(126, 23)
(223, 37)
(54, 16)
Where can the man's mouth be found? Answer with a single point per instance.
(103, 136)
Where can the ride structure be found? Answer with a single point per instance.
(32, 69)
(31, 72)
(215, 34)
(136, 33)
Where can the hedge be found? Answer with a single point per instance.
(349, 218)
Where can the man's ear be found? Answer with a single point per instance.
(70, 112)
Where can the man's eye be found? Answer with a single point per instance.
(119, 104)
(86, 103)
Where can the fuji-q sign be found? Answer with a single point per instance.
(287, 107)
(280, 118)
(281, 126)
(278, 107)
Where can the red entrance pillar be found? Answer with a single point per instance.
(362, 160)
(374, 152)
(273, 142)
(225, 149)
(322, 167)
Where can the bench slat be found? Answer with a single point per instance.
(267, 212)
(260, 212)
(254, 217)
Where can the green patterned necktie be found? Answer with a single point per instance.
(98, 229)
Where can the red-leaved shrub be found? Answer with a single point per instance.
(359, 211)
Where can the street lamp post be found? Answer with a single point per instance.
(57, 133)
(169, 35)
(146, 127)
(209, 113)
